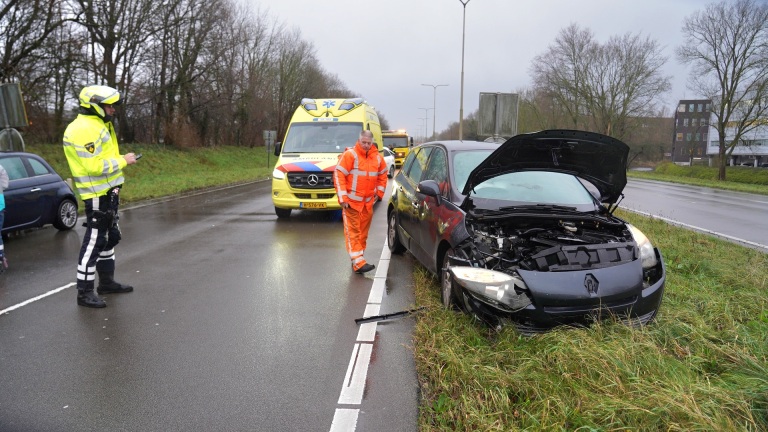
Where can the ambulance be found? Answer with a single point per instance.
(319, 131)
(399, 142)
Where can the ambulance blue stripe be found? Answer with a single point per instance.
(307, 166)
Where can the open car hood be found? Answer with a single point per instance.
(600, 159)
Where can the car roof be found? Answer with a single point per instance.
(463, 145)
(17, 153)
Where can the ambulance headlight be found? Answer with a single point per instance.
(277, 174)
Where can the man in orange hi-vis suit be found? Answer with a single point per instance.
(360, 180)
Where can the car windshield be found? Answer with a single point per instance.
(321, 137)
(393, 142)
(537, 187)
(463, 164)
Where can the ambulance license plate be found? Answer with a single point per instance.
(313, 205)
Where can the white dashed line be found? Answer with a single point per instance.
(345, 419)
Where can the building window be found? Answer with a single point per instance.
(679, 136)
(691, 107)
(698, 151)
(704, 136)
(694, 122)
(688, 137)
(706, 107)
(685, 122)
(681, 108)
(698, 136)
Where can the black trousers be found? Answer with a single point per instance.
(102, 234)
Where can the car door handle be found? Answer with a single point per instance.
(35, 190)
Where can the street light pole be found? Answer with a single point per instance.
(461, 103)
(426, 128)
(434, 101)
(426, 114)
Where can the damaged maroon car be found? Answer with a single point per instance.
(524, 232)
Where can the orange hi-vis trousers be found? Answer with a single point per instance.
(356, 225)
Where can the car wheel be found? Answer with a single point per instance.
(446, 282)
(282, 213)
(391, 171)
(66, 215)
(393, 239)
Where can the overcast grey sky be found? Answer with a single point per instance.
(384, 50)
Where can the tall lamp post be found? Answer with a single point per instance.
(461, 103)
(426, 128)
(434, 101)
(426, 114)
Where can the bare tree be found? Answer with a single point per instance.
(727, 46)
(600, 87)
(560, 72)
(26, 24)
(623, 82)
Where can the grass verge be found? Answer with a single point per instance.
(164, 171)
(739, 179)
(701, 366)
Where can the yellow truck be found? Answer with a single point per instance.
(319, 131)
(399, 142)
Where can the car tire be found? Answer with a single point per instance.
(282, 213)
(393, 238)
(66, 215)
(391, 171)
(447, 296)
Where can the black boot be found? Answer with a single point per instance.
(108, 285)
(88, 298)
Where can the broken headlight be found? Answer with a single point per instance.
(647, 253)
(495, 287)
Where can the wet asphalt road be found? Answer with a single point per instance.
(239, 322)
(734, 216)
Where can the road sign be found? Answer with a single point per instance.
(497, 115)
(269, 138)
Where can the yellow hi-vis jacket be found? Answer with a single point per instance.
(94, 158)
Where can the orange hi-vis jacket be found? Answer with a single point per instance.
(360, 176)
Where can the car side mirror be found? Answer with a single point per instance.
(430, 188)
(278, 145)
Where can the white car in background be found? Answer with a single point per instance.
(389, 158)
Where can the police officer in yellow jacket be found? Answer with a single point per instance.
(90, 144)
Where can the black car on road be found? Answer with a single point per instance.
(524, 232)
(36, 194)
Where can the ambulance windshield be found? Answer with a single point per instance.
(321, 137)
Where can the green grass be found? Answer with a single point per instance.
(739, 179)
(164, 171)
(702, 366)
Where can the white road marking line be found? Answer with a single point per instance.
(699, 229)
(377, 290)
(34, 299)
(367, 332)
(354, 381)
(344, 420)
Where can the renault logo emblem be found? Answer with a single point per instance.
(591, 284)
(312, 180)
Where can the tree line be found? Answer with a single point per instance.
(198, 73)
(191, 72)
(616, 87)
